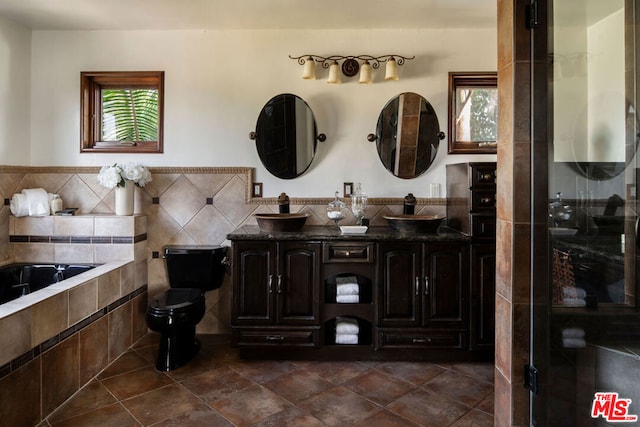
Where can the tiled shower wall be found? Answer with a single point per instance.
(183, 206)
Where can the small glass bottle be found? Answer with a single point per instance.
(56, 204)
(358, 203)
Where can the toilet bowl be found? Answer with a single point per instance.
(192, 270)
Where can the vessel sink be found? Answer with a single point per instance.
(281, 221)
(415, 223)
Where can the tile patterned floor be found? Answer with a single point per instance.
(218, 388)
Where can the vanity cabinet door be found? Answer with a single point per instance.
(423, 285)
(399, 284)
(275, 283)
(297, 283)
(483, 257)
(445, 292)
(254, 274)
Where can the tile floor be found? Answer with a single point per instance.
(218, 388)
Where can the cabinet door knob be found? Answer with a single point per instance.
(270, 285)
(417, 285)
(279, 287)
(426, 285)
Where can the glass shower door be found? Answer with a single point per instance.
(586, 325)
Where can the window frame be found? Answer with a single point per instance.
(485, 79)
(91, 84)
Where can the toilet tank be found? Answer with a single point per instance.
(195, 266)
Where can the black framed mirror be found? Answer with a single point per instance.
(604, 137)
(407, 135)
(286, 136)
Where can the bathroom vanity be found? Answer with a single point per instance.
(415, 302)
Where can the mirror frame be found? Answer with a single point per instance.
(433, 139)
(255, 135)
(487, 79)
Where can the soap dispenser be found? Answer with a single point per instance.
(56, 204)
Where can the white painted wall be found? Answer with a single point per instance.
(218, 81)
(589, 87)
(606, 87)
(15, 52)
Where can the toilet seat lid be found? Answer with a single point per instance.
(174, 299)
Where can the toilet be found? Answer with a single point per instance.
(192, 270)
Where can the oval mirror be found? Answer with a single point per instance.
(606, 138)
(407, 135)
(286, 136)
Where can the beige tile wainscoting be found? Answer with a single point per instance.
(184, 206)
(56, 339)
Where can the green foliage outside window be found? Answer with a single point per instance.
(129, 115)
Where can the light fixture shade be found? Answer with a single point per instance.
(334, 73)
(391, 70)
(309, 71)
(365, 73)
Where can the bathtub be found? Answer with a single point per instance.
(20, 279)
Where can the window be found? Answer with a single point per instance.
(473, 113)
(121, 112)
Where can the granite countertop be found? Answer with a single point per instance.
(603, 246)
(376, 233)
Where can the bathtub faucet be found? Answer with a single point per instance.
(59, 276)
(24, 287)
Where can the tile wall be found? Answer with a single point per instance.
(57, 339)
(180, 206)
(198, 206)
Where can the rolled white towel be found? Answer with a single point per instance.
(347, 289)
(346, 279)
(574, 302)
(572, 292)
(347, 298)
(346, 338)
(347, 325)
(38, 201)
(573, 333)
(574, 342)
(19, 205)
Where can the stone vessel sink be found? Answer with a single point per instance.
(281, 221)
(415, 223)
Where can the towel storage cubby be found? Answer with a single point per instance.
(365, 334)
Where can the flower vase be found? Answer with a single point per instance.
(124, 198)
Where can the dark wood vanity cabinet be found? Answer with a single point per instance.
(275, 292)
(483, 287)
(423, 295)
(471, 208)
(415, 295)
(471, 199)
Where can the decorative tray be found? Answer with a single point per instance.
(353, 229)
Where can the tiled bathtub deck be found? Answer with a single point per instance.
(220, 389)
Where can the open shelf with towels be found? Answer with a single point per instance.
(348, 331)
(348, 288)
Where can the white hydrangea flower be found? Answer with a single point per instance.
(117, 175)
(110, 176)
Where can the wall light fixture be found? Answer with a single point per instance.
(351, 65)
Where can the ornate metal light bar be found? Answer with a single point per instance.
(351, 65)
